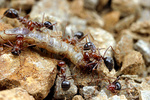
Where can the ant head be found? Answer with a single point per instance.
(109, 62)
(65, 85)
(88, 46)
(11, 13)
(15, 51)
(78, 34)
(61, 63)
(48, 25)
(117, 86)
(19, 36)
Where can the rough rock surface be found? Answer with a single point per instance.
(15, 94)
(90, 4)
(23, 4)
(133, 63)
(144, 48)
(77, 97)
(123, 47)
(111, 19)
(101, 95)
(89, 91)
(29, 70)
(59, 93)
(144, 95)
(126, 7)
(101, 4)
(125, 23)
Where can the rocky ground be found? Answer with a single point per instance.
(122, 24)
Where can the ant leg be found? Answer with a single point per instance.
(27, 16)
(11, 45)
(107, 50)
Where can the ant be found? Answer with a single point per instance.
(65, 85)
(78, 36)
(97, 58)
(12, 13)
(16, 49)
(114, 86)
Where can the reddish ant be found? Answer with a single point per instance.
(96, 58)
(78, 36)
(12, 13)
(114, 86)
(65, 85)
(16, 49)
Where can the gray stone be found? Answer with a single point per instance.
(59, 93)
(144, 48)
(89, 91)
(145, 15)
(101, 96)
(144, 95)
(115, 97)
(145, 3)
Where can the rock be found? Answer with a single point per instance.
(133, 63)
(145, 3)
(15, 94)
(125, 23)
(144, 95)
(126, 7)
(59, 93)
(89, 91)
(23, 4)
(90, 4)
(144, 48)
(135, 35)
(58, 10)
(101, 4)
(4, 26)
(144, 86)
(115, 97)
(123, 48)
(77, 97)
(145, 15)
(29, 70)
(101, 96)
(111, 19)
(142, 28)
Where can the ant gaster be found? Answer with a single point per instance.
(65, 85)
(12, 13)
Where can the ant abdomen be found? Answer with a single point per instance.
(109, 62)
(48, 25)
(65, 85)
(11, 13)
(79, 34)
(117, 86)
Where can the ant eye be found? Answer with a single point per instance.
(87, 46)
(117, 86)
(48, 25)
(78, 34)
(109, 62)
(11, 13)
(65, 85)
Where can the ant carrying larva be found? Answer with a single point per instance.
(12, 13)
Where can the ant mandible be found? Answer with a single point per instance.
(12, 13)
